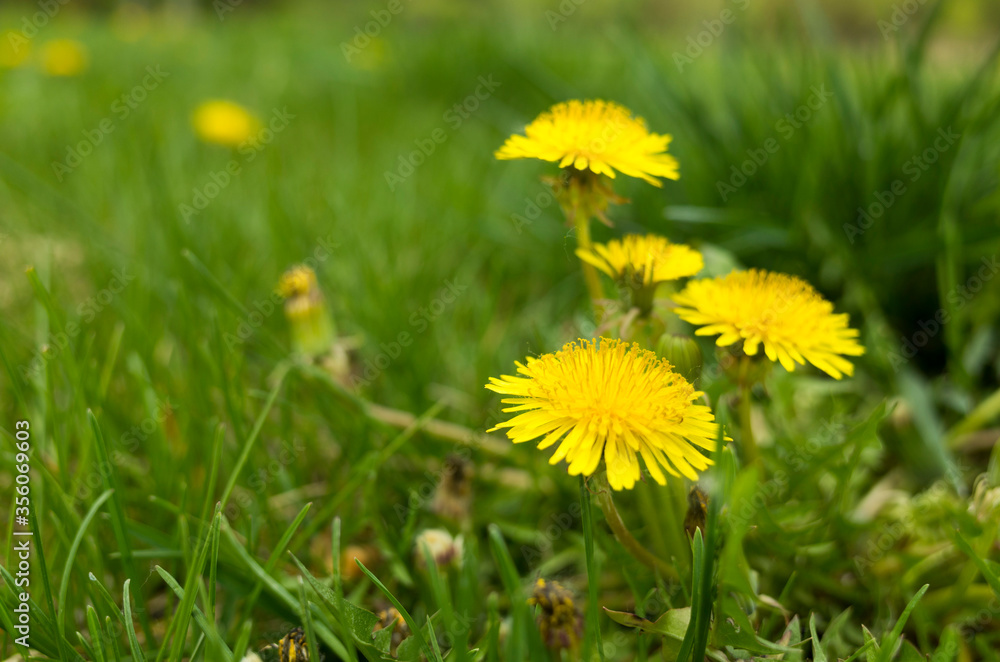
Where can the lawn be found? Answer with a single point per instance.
(199, 485)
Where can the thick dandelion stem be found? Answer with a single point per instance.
(749, 445)
(628, 541)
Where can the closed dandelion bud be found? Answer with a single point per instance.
(310, 323)
(683, 353)
(560, 621)
(442, 547)
(697, 511)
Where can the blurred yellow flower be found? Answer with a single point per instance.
(645, 260)
(224, 122)
(311, 326)
(783, 313)
(599, 136)
(14, 49)
(613, 400)
(64, 57)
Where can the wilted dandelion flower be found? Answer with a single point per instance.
(14, 49)
(224, 123)
(64, 57)
(312, 330)
(560, 622)
(599, 136)
(783, 313)
(611, 400)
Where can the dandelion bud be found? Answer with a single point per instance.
(444, 549)
(683, 353)
(560, 621)
(453, 495)
(305, 309)
(697, 511)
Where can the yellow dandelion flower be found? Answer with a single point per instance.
(14, 49)
(783, 313)
(599, 136)
(224, 123)
(64, 57)
(646, 260)
(613, 400)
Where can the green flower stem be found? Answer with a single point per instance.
(677, 498)
(628, 541)
(593, 577)
(582, 222)
(749, 445)
(651, 509)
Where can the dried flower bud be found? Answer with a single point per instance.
(560, 621)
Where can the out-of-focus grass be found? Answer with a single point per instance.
(184, 348)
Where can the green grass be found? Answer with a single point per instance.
(129, 326)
